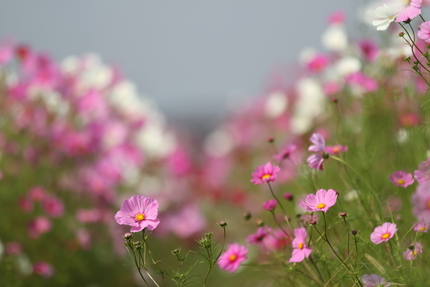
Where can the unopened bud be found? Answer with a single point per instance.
(247, 216)
(354, 232)
(175, 251)
(270, 140)
(222, 224)
(127, 236)
(259, 222)
(343, 214)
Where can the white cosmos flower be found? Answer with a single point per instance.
(386, 14)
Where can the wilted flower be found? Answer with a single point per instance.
(139, 212)
(231, 259)
(265, 173)
(301, 250)
(321, 201)
(383, 233)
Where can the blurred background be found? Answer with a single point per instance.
(196, 59)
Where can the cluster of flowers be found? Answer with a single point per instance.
(368, 101)
(75, 138)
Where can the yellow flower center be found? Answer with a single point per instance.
(428, 204)
(139, 217)
(385, 235)
(232, 257)
(401, 181)
(336, 149)
(266, 176)
(414, 253)
(422, 228)
(300, 246)
(321, 206)
(406, 2)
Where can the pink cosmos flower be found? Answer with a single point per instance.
(321, 201)
(316, 160)
(372, 280)
(270, 204)
(401, 178)
(424, 32)
(13, 248)
(423, 173)
(230, 260)
(43, 269)
(301, 250)
(277, 240)
(317, 63)
(421, 227)
(334, 150)
(39, 226)
(265, 173)
(412, 252)
(383, 233)
(421, 202)
(410, 9)
(139, 212)
(369, 49)
(53, 206)
(259, 236)
(286, 152)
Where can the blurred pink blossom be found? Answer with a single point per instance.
(401, 178)
(424, 32)
(270, 204)
(13, 248)
(231, 259)
(421, 226)
(53, 206)
(412, 252)
(40, 225)
(43, 269)
(423, 173)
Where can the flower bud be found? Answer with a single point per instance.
(259, 222)
(247, 215)
(354, 232)
(222, 224)
(289, 196)
(343, 214)
(127, 236)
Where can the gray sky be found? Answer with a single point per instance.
(188, 55)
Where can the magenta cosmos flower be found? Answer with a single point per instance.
(230, 260)
(401, 178)
(301, 250)
(412, 252)
(383, 233)
(265, 173)
(421, 202)
(321, 201)
(424, 32)
(423, 173)
(270, 204)
(139, 212)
